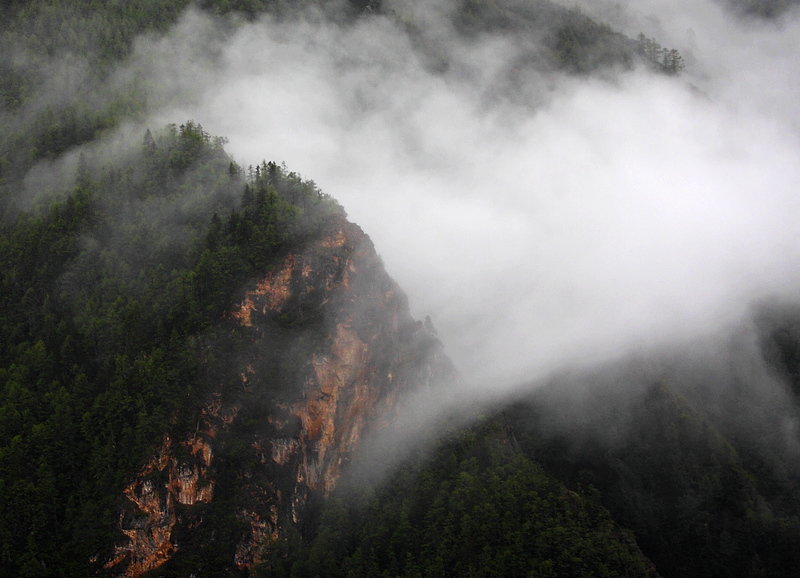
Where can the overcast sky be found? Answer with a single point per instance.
(574, 221)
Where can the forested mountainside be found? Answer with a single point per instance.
(179, 395)
(111, 298)
(703, 497)
(66, 79)
(180, 385)
(194, 352)
(623, 472)
(474, 506)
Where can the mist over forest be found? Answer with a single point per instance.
(593, 205)
(540, 218)
(541, 214)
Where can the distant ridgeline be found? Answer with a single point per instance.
(58, 88)
(109, 295)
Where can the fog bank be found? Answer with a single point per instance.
(545, 222)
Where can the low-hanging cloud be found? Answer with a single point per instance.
(541, 221)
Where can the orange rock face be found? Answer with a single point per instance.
(149, 529)
(271, 292)
(333, 348)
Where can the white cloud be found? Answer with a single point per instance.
(572, 221)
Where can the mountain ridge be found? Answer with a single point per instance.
(341, 388)
(194, 353)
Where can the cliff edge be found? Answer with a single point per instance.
(324, 347)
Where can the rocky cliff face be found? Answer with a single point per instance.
(326, 347)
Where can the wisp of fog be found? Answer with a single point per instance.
(553, 220)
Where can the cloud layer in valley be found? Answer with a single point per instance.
(540, 221)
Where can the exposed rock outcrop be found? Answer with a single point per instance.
(149, 520)
(331, 349)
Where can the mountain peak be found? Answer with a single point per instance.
(330, 349)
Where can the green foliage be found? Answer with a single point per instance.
(663, 472)
(59, 87)
(108, 296)
(56, 60)
(475, 507)
(112, 290)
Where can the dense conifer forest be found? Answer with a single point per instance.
(110, 296)
(118, 272)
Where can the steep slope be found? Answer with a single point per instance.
(665, 472)
(472, 506)
(330, 349)
(187, 385)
